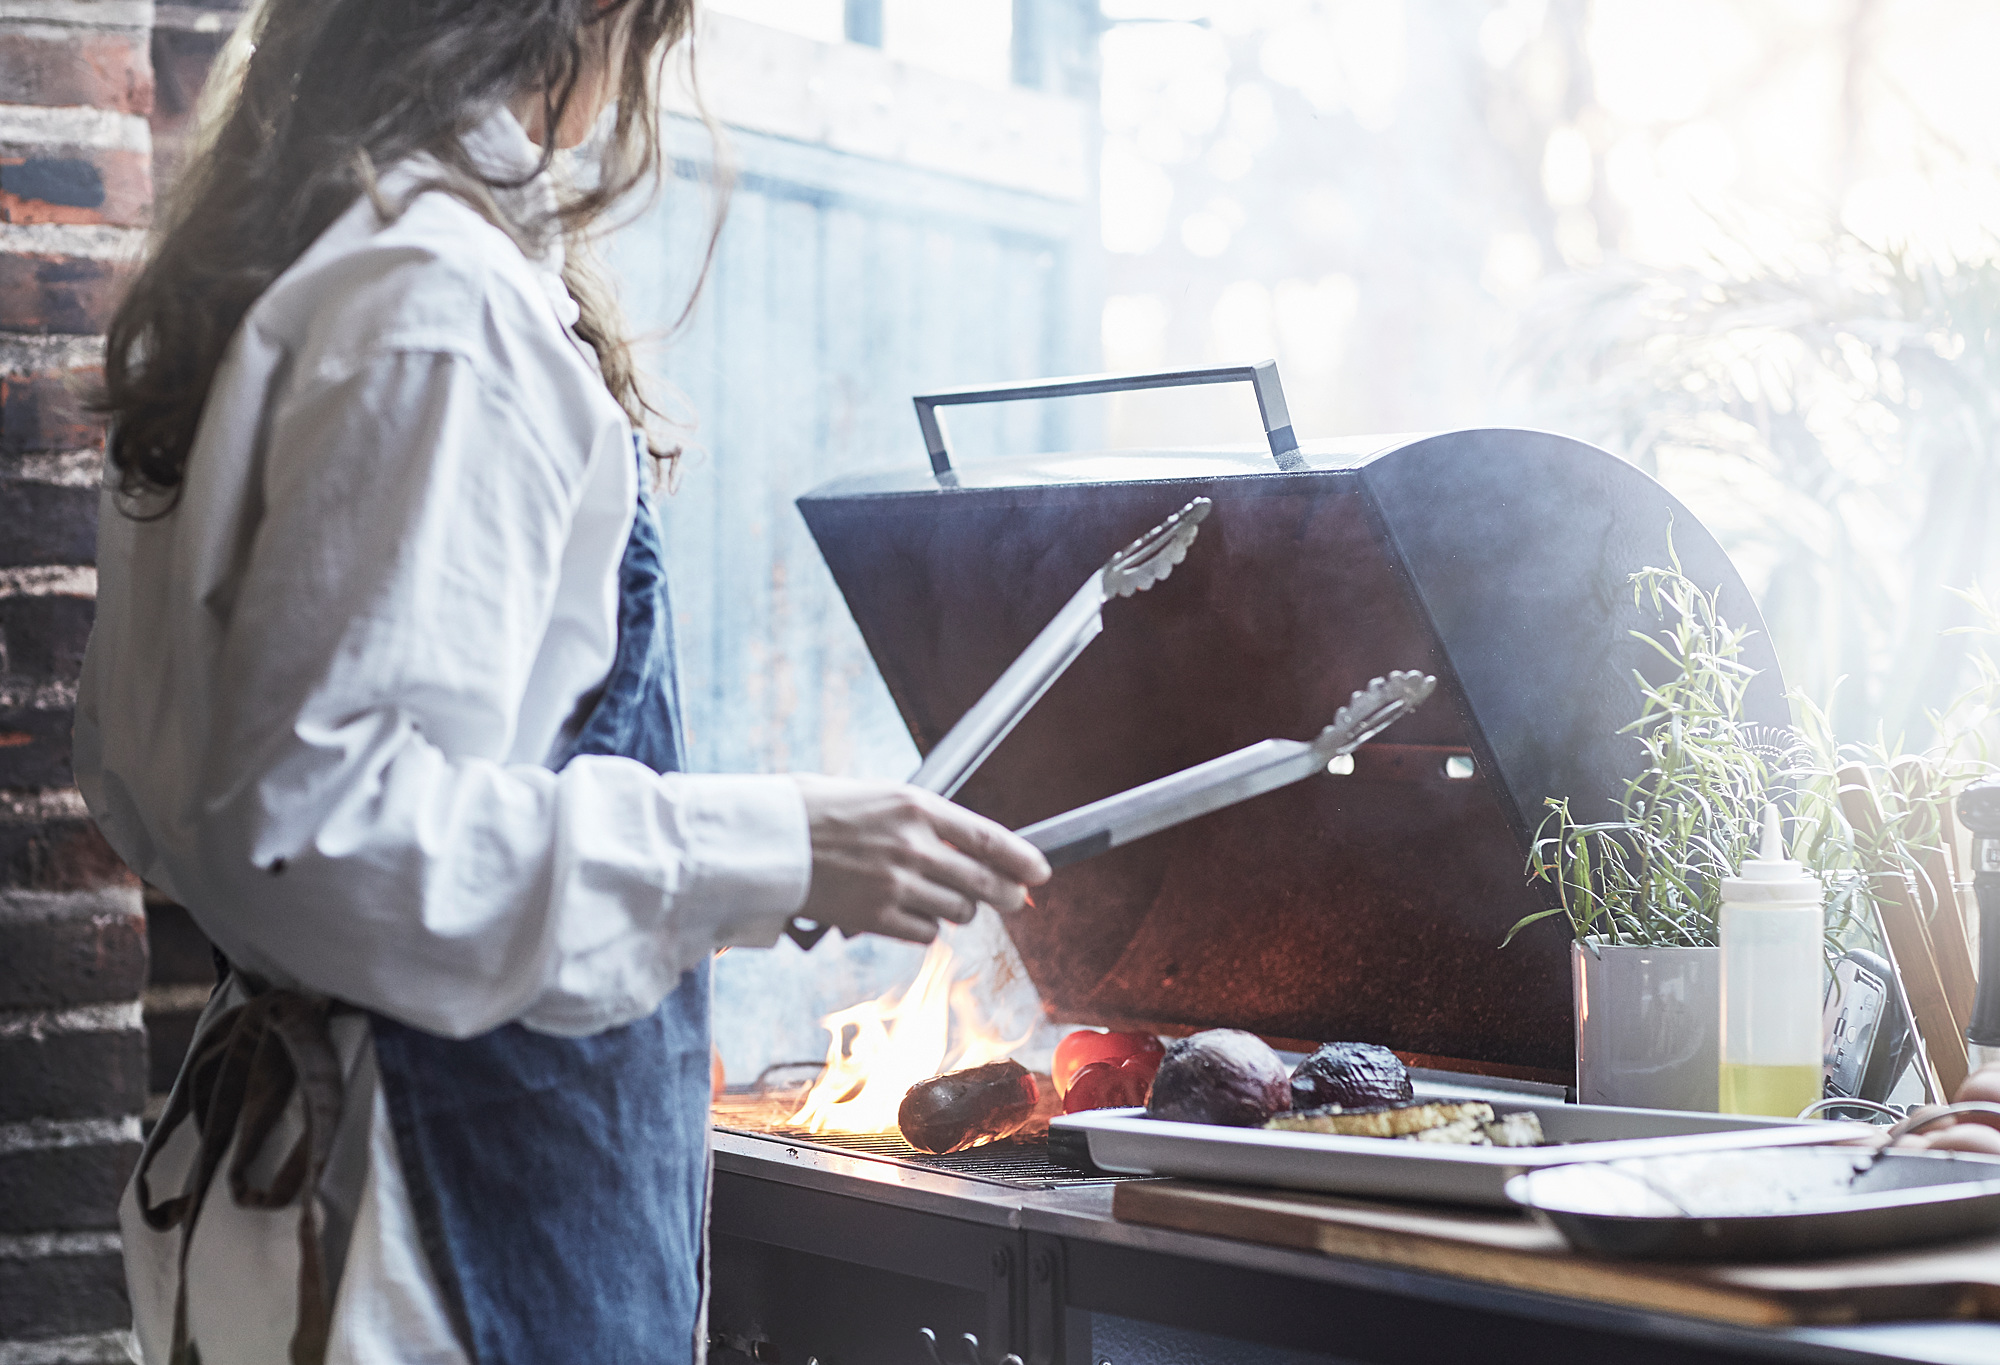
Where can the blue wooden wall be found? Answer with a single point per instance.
(842, 286)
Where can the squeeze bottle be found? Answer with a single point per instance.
(1772, 983)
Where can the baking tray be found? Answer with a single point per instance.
(1774, 1204)
(1127, 1142)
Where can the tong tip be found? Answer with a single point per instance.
(1152, 557)
(1371, 710)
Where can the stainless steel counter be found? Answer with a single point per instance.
(1088, 1280)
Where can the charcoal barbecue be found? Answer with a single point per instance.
(1365, 900)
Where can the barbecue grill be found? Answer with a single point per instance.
(1368, 903)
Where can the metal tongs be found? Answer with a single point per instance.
(1222, 782)
(1137, 567)
(1134, 569)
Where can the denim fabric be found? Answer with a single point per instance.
(559, 1183)
(638, 715)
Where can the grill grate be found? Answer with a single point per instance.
(1021, 1165)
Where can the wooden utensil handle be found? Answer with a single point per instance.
(1907, 941)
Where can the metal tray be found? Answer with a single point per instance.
(1127, 1142)
(1765, 1205)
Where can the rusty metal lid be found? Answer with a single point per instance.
(1368, 906)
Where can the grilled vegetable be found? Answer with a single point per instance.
(1385, 1121)
(1085, 1046)
(1463, 1133)
(963, 1109)
(1468, 1124)
(1515, 1130)
(1221, 1076)
(1047, 1105)
(1509, 1130)
(1351, 1075)
(1110, 1085)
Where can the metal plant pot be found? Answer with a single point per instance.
(1646, 1025)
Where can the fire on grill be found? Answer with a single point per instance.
(926, 1062)
(923, 1061)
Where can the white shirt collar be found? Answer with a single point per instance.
(501, 150)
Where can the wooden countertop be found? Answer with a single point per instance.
(1953, 1280)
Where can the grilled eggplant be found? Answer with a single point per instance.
(963, 1109)
(1351, 1075)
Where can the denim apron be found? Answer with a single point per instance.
(560, 1184)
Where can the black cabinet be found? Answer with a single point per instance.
(810, 1276)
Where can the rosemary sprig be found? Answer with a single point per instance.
(1652, 876)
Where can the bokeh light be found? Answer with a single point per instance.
(1675, 229)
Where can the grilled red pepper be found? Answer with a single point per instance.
(1085, 1046)
(1123, 1084)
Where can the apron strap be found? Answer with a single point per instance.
(240, 1080)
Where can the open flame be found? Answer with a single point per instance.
(882, 1047)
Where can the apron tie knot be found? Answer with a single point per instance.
(238, 1083)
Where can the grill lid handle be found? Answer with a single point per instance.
(1262, 376)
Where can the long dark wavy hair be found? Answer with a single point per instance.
(325, 94)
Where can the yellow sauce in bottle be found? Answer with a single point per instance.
(1781, 1091)
(1770, 926)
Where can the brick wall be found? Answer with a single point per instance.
(77, 174)
(185, 41)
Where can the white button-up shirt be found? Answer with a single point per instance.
(324, 690)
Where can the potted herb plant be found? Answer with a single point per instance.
(1642, 890)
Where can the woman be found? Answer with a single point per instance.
(381, 689)
(1976, 1133)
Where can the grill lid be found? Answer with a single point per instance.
(1365, 906)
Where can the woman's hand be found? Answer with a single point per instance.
(1973, 1132)
(891, 859)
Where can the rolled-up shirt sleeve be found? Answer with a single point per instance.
(361, 831)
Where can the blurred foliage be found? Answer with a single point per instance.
(1833, 414)
(1377, 192)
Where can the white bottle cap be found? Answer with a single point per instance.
(1771, 876)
